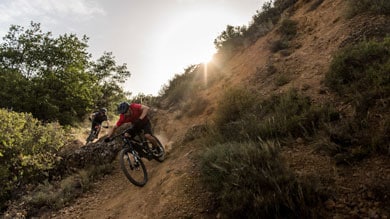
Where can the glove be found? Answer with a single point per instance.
(107, 140)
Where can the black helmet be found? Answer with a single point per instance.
(103, 110)
(123, 107)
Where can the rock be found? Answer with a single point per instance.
(330, 204)
(299, 140)
(372, 214)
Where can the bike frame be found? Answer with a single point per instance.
(94, 133)
(139, 145)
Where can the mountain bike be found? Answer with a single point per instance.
(94, 133)
(135, 148)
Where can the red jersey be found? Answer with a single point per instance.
(136, 113)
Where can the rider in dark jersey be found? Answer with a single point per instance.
(98, 118)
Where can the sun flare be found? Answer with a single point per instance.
(185, 39)
(208, 56)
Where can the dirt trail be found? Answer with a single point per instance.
(173, 189)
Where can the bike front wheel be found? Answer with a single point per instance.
(91, 137)
(133, 167)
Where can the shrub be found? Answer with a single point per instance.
(262, 22)
(54, 196)
(279, 45)
(242, 115)
(236, 106)
(360, 74)
(233, 106)
(282, 79)
(315, 5)
(361, 69)
(284, 4)
(28, 150)
(288, 28)
(251, 181)
(368, 6)
(290, 114)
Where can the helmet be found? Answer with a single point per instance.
(123, 107)
(103, 110)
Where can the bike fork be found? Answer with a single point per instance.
(136, 161)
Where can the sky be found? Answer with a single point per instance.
(155, 38)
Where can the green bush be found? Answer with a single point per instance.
(360, 75)
(236, 102)
(56, 195)
(28, 150)
(234, 38)
(279, 45)
(361, 70)
(251, 181)
(368, 6)
(281, 80)
(288, 28)
(291, 114)
(242, 115)
(315, 5)
(282, 5)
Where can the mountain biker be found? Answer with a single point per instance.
(98, 118)
(136, 114)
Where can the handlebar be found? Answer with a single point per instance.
(122, 133)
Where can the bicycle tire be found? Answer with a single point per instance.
(90, 138)
(135, 172)
(159, 158)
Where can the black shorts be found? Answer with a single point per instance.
(94, 123)
(146, 127)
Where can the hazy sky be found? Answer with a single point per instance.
(156, 38)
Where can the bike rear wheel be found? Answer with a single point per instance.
(159, 152)
(133, 167)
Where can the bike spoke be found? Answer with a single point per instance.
(133, 168)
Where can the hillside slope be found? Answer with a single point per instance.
(174, 190)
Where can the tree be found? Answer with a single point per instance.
(110, 77)
(231, 36)
(53, 77)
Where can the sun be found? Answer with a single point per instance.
(208, 55)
